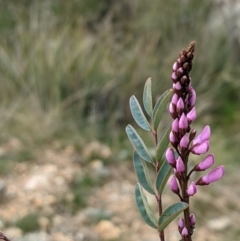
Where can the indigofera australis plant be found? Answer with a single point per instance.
(175, 159)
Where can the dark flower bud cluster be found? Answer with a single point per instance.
(184, 140)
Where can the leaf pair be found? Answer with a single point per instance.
(167, 216)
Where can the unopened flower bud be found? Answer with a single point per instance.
(174, 99)
(180, 167)
(177, 86)
(192, 189)
(205, 164)
(192, 219)
(201, 148)
(192, 135)
(175, 66)
(181, 225)
(174, 185)
(183, 122)
(174, 77)
(173, 139)
(212, 176)
(184, 142)
(203, 136)
(175, 125)
(192, 97)
(191, 116)
(180, 105)
(184, 232)
(170, 156)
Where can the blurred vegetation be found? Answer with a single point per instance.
(68, 68)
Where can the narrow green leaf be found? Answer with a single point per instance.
(170, 214)
(163, 142)
(142, 173)
(147, 97)
(160, 107)
(138, 115)
(138, 144)
(162, 176)
(143, 207)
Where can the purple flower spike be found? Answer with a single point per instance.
(192, 189)
(171, 157)
(180, 105)
(201, 148)
(174, 185)
(184, 142)
(175, 125)
(192, 219)
(203, 136)
(183, 122)
(191, 116)
(205, 164)
(184, 232)
(212, 176)
(180, 167)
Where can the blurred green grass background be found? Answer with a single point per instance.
(68, 68)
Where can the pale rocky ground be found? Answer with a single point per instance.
(38, 186)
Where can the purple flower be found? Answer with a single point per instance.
(212, 176)
(205, 164)
(170, 156)
(192, 98)
(203, 136)
(180, 105)
(174, 185)
(200, 148)
(175, 99)
(192, 189)
(180, 167)
(181, 225)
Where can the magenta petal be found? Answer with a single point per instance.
(191, 116)
(172, 138)
(205, 164)
(203, 136)
(171, 110)
(177, 86)
(173, 184)
(180, 167)
(201, 148)
(175, 125)
(192, 189)
(170, 157)
(181, 223)
(184, 141)
(174, 76)
(175, 66)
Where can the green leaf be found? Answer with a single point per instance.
(160, 107)
(138, 144)
(138, 115)
(163, 142)
(142, 173)
(170, 214)
(162, 176)
(144, 207)
(147, 97)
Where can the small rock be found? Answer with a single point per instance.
(107, 230)
(13, 233)
(36, 182)
(92, 215)
(98, 169)
(61, 237)
(36, 236)
(219, 224)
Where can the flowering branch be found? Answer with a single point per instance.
(184, 143)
